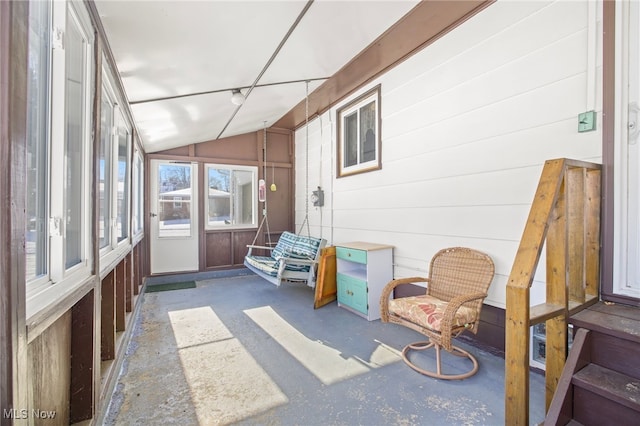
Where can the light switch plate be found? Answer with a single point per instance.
(586, 121)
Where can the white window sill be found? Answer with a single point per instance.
(52, 300)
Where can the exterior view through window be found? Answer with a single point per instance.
(174, 200)
(231, 196)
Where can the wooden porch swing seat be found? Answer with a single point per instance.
(458, 282)
(293, 259)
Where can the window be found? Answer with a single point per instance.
(58, 184)
(359, 135)
(174, 182)
(231, 196)
(124, 166)
(114, 173)
(76, 126)
(105, 172)
(138, 194)
(38, 140)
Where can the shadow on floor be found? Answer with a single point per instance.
(238, 350)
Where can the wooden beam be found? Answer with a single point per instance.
(517, 294)
(135, 269)
(81, 404)
(575, 184)
(128, 283)
(14, 18)
(556, 290)
(543, 312)
(554, 206)
(557, 261)
(517, 357)
(120, 295)
(50, 372)
(107, 318)
(592, 233)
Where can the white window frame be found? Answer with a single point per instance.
(137, 209)
(111, 97)
(254, 196)
(122, 123)
(62, 280)
(343, 113)
(42, 280)
(115, 249)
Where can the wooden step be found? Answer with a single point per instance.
(604, 396)
(614, 319)
(618, 387)
(615, 336)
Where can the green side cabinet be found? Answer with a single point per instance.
(363, 269)
(352, 292)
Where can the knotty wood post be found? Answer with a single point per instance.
(575, 184)
(517, 320)
(566, 207)
(517, 356)
(592, 233)
(557, 294)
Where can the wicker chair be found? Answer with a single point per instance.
(458, 282)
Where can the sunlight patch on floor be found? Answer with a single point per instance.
(326, 363)
(226, 382)
(197, 326)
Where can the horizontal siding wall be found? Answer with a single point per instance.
(467, 124)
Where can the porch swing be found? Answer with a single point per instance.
(295, 257)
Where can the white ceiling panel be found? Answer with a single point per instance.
(182, 121)
(331, 34)
(177, 122)
(166, 48)
(171, 49)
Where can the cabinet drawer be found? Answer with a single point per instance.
(352, 292)
(353, 255)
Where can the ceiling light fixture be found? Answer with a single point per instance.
(237, 98)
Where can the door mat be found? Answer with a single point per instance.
(153, 288)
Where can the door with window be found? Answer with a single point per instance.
(173, 217)
(626, 280)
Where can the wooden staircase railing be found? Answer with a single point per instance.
(566, 215)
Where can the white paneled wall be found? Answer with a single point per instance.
(467, 124)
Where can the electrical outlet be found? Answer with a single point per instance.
(586, 121)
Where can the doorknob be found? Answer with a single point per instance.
(153, 214)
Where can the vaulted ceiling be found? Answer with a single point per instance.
(180, 60)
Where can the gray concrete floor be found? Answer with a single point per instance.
(238, 350)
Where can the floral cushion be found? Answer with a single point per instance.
(427, 311)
